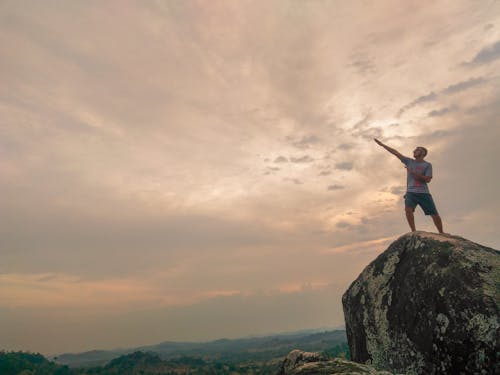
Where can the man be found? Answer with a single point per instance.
(419, 173)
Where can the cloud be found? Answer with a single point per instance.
(62, 242)
(343, 225)
(281, 159)
(302, 159)
(364, 246)
(451, 89)
(464, 85)
(363, 123)
(364, 65)
(46, 290)
(368, 134)
(296, 181)
(344, 166)
(345, 146)
(271, 170)
(307, 142)
(422, 99)
(440, 112)
(440, 134)
(487, 55)
(335, 187)
(397, 190)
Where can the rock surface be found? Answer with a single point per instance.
(306, 363)
(429, 304)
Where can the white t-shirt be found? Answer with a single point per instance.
(421, 167)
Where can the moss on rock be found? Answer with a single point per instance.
(428, 304)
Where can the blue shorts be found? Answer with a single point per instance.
(424, 200)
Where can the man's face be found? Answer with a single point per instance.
(418, 152)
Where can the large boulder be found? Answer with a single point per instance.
(429, 304)
(298, 362)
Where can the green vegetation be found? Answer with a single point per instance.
(22, 363)
(250, 356)
(150, 363)
(339, 351)
(137, 363)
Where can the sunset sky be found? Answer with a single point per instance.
(192, 170)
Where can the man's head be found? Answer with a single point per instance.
(419, 152)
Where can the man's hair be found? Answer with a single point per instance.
(423, 149)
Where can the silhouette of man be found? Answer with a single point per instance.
(419, 173)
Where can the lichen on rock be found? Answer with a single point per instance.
(429, 304)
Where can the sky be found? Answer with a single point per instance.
(192, 170)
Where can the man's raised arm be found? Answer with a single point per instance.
(391, 150)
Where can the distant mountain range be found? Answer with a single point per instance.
(250, 349)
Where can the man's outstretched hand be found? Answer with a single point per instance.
(378, 142)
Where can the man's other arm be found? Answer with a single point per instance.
(421, 177)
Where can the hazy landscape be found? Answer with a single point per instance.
(258, 355)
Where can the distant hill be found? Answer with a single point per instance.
(255, 355)
(230, 351)
(149, 363)
(14, 363)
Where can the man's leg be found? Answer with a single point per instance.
(438, 223)
(429, 208)
(410, 217)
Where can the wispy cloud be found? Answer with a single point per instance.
(422, 99)
(450, 90)
(335, 187)
(371, 245)
(307, 142)
(439, 112)
(302, 159)
(487, 54)
(464, 85)
(344, 166)
(281, 159)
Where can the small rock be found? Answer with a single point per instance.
(298, 362)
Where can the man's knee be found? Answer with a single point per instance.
(409, 209)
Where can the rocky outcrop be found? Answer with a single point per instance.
(305, 363)
(427, 305)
